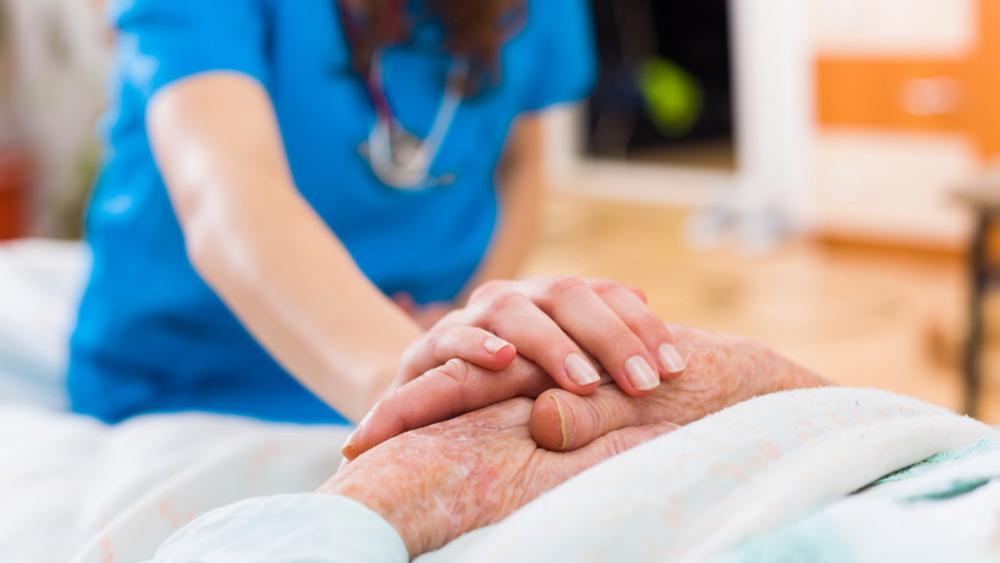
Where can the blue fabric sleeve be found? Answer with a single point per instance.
(287, 529)
(162, 41)
(567, 57)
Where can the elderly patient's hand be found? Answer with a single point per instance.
(442, 481)
(721, 371)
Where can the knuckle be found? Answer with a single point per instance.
(604, 286)
(437, 344)
(565, 284)
(488, 290)
(506, 301)
(457, 370)
(409, 358)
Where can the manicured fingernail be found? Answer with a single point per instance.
(494, 345)
(641, 374)
(670, 359)
(580, 370)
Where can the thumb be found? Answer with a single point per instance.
(563, 421)
(564, 466)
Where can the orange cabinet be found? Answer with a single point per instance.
(907, 105)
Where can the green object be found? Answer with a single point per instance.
(673, 96)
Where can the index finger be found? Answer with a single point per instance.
(453, 389)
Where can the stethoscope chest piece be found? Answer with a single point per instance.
(399, 159)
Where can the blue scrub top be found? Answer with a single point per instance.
(151, 335)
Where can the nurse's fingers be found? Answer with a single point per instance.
(644, 323)
(598, 284)
(451, 390)
(574, 305)
(562, 421)
(518, 320)
(472, 344)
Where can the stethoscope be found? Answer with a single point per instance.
(399, 159)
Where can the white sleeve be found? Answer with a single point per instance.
(287, 528)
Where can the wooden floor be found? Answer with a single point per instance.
(861, 317)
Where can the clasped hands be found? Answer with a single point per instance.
(459, 444)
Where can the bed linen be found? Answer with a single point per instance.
(40, 286)
(709, 491)
(756, 482)
(762, 481)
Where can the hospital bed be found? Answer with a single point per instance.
(757, 482)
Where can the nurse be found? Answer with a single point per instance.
(276, 170)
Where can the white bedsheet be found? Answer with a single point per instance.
(64, 478)
(692, 495)
(67, 481)
(40, 284)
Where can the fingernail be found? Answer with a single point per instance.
(348, 447)
(343, 463)
(670, 359)
(563, 434)
(494, 345)
(641, 374)
(580, 370)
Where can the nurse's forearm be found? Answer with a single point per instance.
(264, 250)
(295, 287)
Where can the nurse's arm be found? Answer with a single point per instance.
(264, 250)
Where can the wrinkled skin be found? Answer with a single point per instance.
(439, 482)
(721, 371)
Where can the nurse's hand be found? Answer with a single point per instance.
(569, 327)
(556, 326)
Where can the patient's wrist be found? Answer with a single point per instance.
(381, 500)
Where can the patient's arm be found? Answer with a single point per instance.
(721, 371)
(445, 480)
(416, 492)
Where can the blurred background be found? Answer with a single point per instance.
(815, 174)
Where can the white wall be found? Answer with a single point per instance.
(893, 27)
(773, 58)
